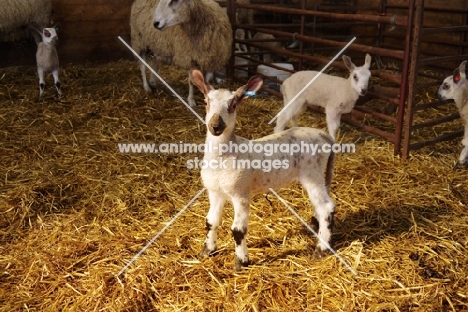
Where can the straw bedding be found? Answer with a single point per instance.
(74, 211)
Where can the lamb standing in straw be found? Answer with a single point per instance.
(336, 95)
(456, 87)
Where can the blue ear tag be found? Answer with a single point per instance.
(250, 93)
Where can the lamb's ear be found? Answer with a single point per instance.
(462, 69)
(250, 89)
(347, 61)
(36, 28)
(197, 78)
(368, 61)
(456, 75)
(57, 26)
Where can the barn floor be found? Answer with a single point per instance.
(74, 211)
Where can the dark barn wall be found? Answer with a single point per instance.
(90, 29)
(89, 32)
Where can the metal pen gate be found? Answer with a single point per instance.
(415, 46)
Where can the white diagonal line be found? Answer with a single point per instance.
(160, 232)
(313, 232)
(164, 82)
(313, 79)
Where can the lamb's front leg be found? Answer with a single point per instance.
(213, 219)
(463, 159)
(40, 73)
(239, 230)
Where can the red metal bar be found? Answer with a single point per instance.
(418, 20)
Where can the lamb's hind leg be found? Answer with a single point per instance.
(213, 219)
(239, 231)
(55, 74)
(290, 114)
(323, 219)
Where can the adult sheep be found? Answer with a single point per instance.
(17, 15)
(186, 33)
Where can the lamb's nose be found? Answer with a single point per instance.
(156, 25)
(363, 91)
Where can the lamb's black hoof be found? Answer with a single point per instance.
(460, 165)
(239, 264)
(207, 252)
(320, 253)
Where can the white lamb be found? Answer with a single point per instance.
(235, 175)
(456, 87)
(268, 57)
(17, 15)
(47, 58)
(335, 94)
(186, 33)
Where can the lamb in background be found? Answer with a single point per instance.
(268, 57)
(187, 33)
(456, 87)
(335, 94)
(47, 57)
(313, 170)
(240, 47)
(17, 15)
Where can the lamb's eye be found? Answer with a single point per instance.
(446, 86)
(173, 2)
(355, 77)
(47, 33)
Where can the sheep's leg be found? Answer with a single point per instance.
(146, 86)
(153, 78)
(191, 98)
(55, 73)
(463, 159)
(333, 122)
(239, 231)
(323, 219)
(213, 219)
(40, 73)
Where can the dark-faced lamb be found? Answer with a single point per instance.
(47, 58)
(336, 95)
(455, 88)
(236, 176)
(186, 33)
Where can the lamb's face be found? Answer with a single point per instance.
(49, 35)
(446, 89)
(221, 104)
(169, 13)
(359, 76)
(360, 80)
(220, 111)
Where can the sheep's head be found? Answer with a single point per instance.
(359, 75)
(448, 88)
(169, 13)
(221, 104)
